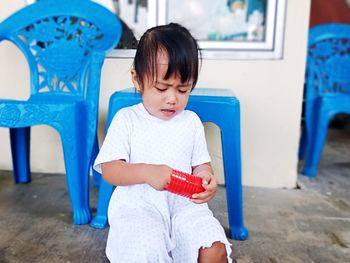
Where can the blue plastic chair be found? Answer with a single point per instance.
(327, 88)
(211, 105)
(64, 43)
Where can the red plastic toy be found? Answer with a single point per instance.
(185, 184)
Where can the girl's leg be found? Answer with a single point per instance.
(199, 236)
(137, 234)
(214, 254)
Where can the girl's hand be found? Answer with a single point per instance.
(210, 185)
(158, 176)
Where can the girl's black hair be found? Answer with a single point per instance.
(180, 46)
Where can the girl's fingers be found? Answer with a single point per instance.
(210, 187)
(200, 201)
(204, 197)
(206, 180)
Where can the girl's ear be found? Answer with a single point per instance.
(135, 80)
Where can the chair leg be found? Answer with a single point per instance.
(231, 151)
(77, 172)
(20, 149)
(316, 141)
(95, 175)
(105, 193)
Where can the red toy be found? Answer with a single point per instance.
(185, 184)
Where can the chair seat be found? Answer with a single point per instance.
(211, 105)
(339, 103)
(16, 113)
(58, 100)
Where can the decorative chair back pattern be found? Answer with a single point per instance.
(58, 46)
(328, 67)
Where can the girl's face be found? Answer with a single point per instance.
(162, 98)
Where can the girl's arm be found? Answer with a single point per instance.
(210, 184)
(119, 172)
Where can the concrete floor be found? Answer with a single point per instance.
(308, 224)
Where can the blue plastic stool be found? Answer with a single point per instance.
(211, 105)
(327, 88)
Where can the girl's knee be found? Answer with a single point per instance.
(216, 253)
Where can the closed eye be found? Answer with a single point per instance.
(161, 89)
(183, 91)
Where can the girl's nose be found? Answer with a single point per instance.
(171, 97)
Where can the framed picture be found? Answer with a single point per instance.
(225, 29)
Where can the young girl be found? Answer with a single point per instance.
(144, 143)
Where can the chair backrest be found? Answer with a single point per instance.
(328, 60)
(59, 39)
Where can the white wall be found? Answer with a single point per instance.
(270, 93)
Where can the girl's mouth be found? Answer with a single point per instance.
(168, 112)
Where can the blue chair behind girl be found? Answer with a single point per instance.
(327, 88)
(218, 106)
(64, 43)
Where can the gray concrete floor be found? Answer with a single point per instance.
(307, 224)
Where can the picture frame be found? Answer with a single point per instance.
(225, 29)
(270, 46)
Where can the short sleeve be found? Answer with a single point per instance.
(200, 153)
(116, 145)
